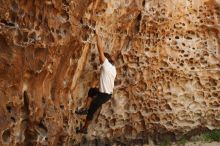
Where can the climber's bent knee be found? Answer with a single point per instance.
(93, 92)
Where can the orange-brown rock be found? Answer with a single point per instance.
(167, 57)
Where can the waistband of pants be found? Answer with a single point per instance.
(109, 94)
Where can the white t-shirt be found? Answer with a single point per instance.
(107, 77)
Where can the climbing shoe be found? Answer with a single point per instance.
(82, 111)
(81, 130)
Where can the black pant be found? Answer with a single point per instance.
(98, 99)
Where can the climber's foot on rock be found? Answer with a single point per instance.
(82, 130)
(82, 111)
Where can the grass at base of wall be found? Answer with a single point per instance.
(213, 135)
(209, 136)
(166, 142)
(181, 142)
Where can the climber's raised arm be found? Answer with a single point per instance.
(100, 49)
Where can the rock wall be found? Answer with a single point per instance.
(167, 56)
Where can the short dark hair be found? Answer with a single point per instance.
(108, 56)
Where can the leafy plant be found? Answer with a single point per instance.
(213, 135)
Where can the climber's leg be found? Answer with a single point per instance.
(84, 109)
(95, 105)
(91, 95)
(97, 114)
(88, 102)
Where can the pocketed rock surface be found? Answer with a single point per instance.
(167, 56)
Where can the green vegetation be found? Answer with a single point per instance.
(209, 136)
(181, 142)
(166, 142)
(213, 135)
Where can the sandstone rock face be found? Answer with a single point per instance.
(167, 58)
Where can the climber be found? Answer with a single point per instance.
(97, 97)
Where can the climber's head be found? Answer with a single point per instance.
(109, 58)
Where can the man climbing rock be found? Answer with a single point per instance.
(97, 97)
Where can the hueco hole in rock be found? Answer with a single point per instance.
(166, 54)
